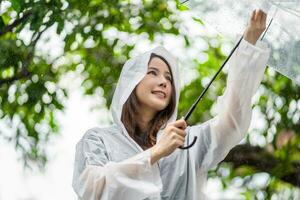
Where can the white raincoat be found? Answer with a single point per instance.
(110, 165)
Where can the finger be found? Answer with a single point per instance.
(175, 136)
(180, 138)
(253, 15)
(264, 18)
(179, 132)
(179, 143)
(180, 124)
(259, 15)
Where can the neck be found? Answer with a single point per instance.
(144, 119)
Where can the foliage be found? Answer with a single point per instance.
(99, 37)
(30, 93)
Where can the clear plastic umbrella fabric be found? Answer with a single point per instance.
(230, 17)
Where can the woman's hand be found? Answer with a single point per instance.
(256, 26)
(173, 136)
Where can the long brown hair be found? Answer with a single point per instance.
(130, 112)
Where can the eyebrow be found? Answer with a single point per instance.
(158, 70)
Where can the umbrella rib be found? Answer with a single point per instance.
(184, 1)
(288, 10)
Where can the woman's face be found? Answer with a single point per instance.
(154, 90)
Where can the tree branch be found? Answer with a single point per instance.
(8, 28)
(12, 79)
(262, 160)
(24, 71)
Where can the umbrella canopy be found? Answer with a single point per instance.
(230, 17)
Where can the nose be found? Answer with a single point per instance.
(163, 81)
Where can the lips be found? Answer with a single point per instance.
(159, 93)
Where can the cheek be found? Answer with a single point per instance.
(139, 91)
(147, 83)
(170, 90)
(143, 87)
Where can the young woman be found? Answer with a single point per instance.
(137, 157)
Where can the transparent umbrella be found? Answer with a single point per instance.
(229, 17)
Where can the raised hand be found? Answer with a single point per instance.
(256, 26)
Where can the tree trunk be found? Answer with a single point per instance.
(262, 160)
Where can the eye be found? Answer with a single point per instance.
(169, 78)
(153, 72)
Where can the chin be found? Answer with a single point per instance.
(160, 108)
(159, 105)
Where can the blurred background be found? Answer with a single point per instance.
(60, 61)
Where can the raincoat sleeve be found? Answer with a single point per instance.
(97, 178)
(217, 136)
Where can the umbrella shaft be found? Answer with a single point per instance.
(209, 84)
(267, 29)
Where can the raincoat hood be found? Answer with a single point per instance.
(132, 73)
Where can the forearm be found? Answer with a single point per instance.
(155, 155)
(246, 69)
(105, 182)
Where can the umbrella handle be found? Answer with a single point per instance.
(195, 137)
(190, 145)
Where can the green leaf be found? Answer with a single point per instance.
(2, 24)
(182, 7)
(198, 20)
(186, 39)
(60, 25)
(16, 5)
